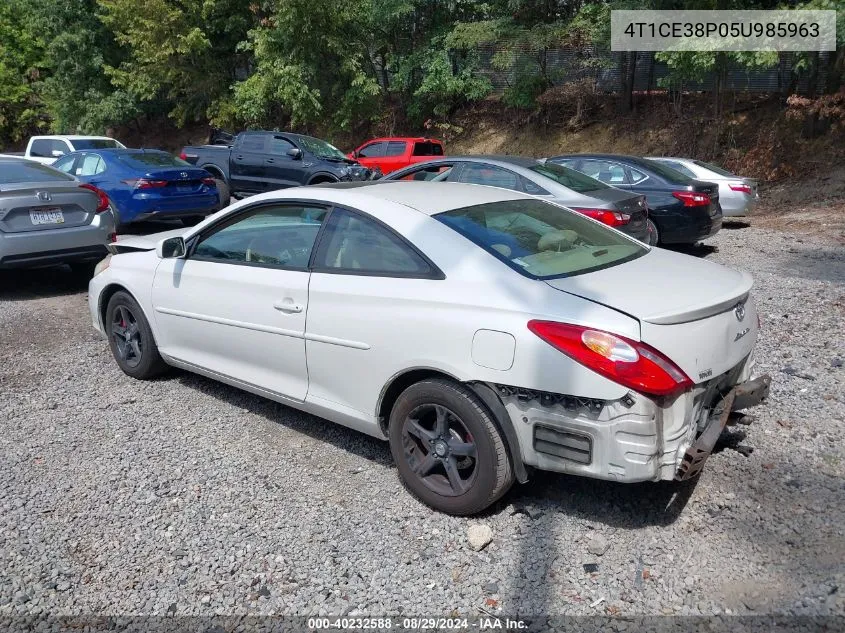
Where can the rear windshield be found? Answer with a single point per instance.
(95, 143)
(152, 159)
(713, 168)
(427, 148)
(569, 178)
(668, 174)
(29, 171)
(542, 240)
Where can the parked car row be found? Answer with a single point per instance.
(481, 331)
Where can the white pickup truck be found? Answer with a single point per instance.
(46, 149)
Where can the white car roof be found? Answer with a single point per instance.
(427, 197)
(74, 137)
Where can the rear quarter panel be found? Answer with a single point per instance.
(402, 324)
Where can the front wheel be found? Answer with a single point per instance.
(131, 339)
(448, 449)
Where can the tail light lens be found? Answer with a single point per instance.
(183, 155)
(209, 182)
(102, 198)
(630, 363)
(144, 183)
(742, 187)
(611, 218)
(692, 198)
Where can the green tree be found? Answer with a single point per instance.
(21, 65)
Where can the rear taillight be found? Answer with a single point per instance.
(210, 182)
(742, 188)
(102, 198)
(144, 183)
(611, 218)
(183, 156)
(630, 363)
(692, 198)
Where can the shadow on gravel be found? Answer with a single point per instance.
(628, 506)
(312, 426)
(733, 225)
(38, 283)
(816, 264)
(696, 250)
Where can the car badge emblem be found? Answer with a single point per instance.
(44, 196)
(184, 174)
(739, 311)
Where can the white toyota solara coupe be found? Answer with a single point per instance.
(482, 332)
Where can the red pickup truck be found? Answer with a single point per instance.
(390, 154)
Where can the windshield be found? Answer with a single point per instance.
(569, 178)
(672, 176)
(542, 240)
(152, 159)
(714, 168)
(29, 171)
(95, 143)
(321, 148)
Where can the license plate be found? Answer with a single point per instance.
(188, 189)
(50, 215)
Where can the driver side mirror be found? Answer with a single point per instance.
(295, 153)
(171, 248)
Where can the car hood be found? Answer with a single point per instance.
(126, 243)
(662, 287)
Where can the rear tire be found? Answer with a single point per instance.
(448, 449)
(131, 339)
(653, 234)
(224, 192)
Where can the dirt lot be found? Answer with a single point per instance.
(185, 496)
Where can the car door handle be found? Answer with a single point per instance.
(288, 306)
(271, 160)
(239, 157)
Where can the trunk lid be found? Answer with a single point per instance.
(694, 311)
(31, 207)
(186, 181)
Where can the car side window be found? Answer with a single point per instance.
(278, 236)
(358, 244)
(532, 188)
(91, 165)
(65, 164)
(427, 173)
(42, 148)
(279, 146)
(395, 148)
(481, 174)
(636, 176)
(373, 150)
(606, 171)
(252, 143)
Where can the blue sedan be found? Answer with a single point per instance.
(145, 184)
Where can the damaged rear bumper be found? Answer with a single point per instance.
(632, 439)
(747, 394)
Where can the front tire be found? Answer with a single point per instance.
(131, 339)
(448, 449)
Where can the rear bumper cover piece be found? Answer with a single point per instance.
(747, 394)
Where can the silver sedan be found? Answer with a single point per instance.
(737, 195)
(48, 217)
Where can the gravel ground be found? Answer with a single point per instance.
(190, 497)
